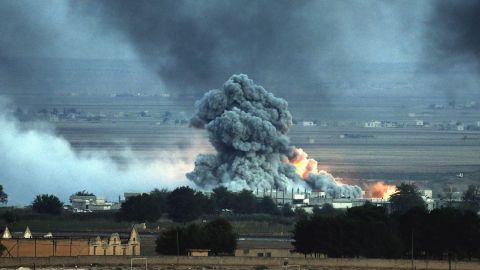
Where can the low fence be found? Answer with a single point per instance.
(182, 262)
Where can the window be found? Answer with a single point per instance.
(246, 251)
(94, 250)
(268, 254)
(260, 254)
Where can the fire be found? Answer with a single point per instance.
(303, 164)
(381, 190)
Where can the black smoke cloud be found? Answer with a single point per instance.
(454, 30)
(22, 36)
(189, 46)
(47, 49)
(452, 47)
(248, 128)
(194, 45)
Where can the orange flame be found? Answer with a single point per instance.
(381, 190)
(303, 164)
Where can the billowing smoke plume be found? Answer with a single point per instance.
(248, 128)
(193, 45)
(307, 168)
(454, 30)
(452, 46)
(35, 160)
(199, 43)
(47, 50)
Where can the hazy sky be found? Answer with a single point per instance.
(191, 46)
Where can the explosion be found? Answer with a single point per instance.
(307, 168)
(248, 128)
(381, 190)
(303, 164)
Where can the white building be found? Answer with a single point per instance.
(373, 124)
(91, 203)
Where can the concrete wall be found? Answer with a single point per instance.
(274, 263)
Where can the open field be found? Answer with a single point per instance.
(172, 262)
(424, 154)
(391, 154)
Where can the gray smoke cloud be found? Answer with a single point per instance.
(454, 30)
(34, 160)
(47, 49)
(248, 128)
(119, 45)
(452, 46)
(194, 45)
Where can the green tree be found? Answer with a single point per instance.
(205, 203)
(182, 205)
(216, 235)
(222, 198)
(412, 226)
(453, 232)
(267, 206)
(172, 242)
(365, 231)
(287, 211)
(244, 202)
(47, 204)
(303, 238)
(371, 233)
(219, 237)
(3, 195)
(10, 217)
(406, 197)
(471, 198)
(84, 193)
(300, 214)
(141, 208)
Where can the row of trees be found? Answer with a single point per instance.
(184, 204)
(370, 231)
(216, 235)
(365, 231)
(44, 204)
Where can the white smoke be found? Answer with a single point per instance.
(36, 161)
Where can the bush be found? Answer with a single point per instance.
(217, 235)
(47, 204)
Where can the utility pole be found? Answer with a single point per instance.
(412, 249)
(178, 246)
